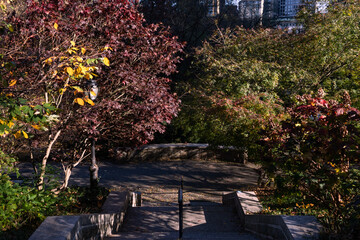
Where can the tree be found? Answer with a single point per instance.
(315, 153)
(57, 46)
(248, 62)
(229, 98)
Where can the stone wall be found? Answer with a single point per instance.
(180, 151)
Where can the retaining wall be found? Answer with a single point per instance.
(89, 226)
(271, 227)
(179, 151)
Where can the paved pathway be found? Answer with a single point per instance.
(199, 175)
(159, 181)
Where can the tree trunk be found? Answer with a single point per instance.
(261, 12)
(44, 160)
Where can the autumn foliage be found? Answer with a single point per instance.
(316, 153)
(52, 52)
(57, 46)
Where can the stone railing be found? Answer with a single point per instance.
(89, 226)
(279, 227)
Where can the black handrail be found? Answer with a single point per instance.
(181, 200)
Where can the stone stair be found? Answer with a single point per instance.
(201, 221)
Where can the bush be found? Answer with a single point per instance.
(21, 204)
(23, 207)
(315, 153)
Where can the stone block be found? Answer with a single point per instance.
(249, 202)
(56, 228)
(279, 227)
(267, 227)
(88, 226)
(302, 227)
(115, 202)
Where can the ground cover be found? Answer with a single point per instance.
(276, 203)
(75, 200)
(24, 207)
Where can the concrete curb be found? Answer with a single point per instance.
(279, 227)
(89, 226)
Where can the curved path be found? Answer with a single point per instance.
(164, 177)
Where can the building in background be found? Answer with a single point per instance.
(214, 7)
(248, 13)
(287, 11)
(269, 13)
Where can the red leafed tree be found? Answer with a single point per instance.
(56, 46)
(134, 99)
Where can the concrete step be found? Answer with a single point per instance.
(186, 236)
(209, 218)
(151, 219)
(207, 221)
(196, 218)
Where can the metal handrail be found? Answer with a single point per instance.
(181, 213)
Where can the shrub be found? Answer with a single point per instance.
(23, 207)
(316, 153)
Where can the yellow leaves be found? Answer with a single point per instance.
(37, 127)
(12, 82)
(49, 60)
(82, 70)
(11, 124)
(79, 101)
(54, 73)
(62, 90)
(106, 61)
(11, 28)
(304, 206)
(17, 134)
(25, 134)
(83, 50)
(2, 6)
(70, 71)
(73, 49)
(89, 101)
(88, 76)
(106, 48)
(331, 164)
(56, 26)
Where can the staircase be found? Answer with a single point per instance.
(211, 221)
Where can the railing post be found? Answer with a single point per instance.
(180, 200)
